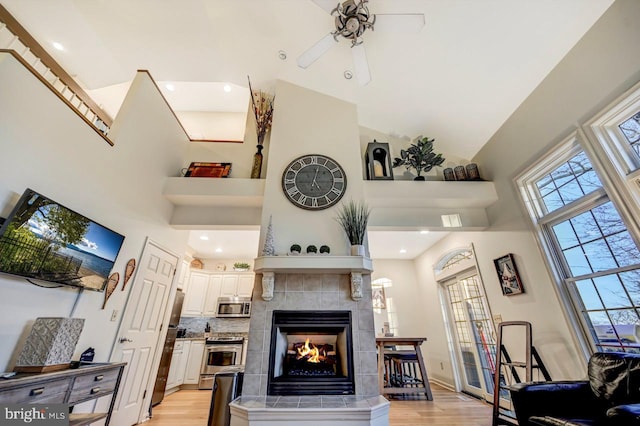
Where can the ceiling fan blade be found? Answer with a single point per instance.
(317, 50)
(361, 65)
(327, 5)
(408, 22)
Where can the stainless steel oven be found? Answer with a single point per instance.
(233, 307)
(220, 354)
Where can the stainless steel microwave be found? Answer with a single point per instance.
(233, 307)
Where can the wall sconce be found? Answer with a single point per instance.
(378, 161)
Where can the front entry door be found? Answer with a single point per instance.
(139, 333)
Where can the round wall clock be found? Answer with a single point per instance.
(314, 182)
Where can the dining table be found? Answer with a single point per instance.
(388, 350)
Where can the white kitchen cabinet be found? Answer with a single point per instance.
(174, 378)
(245, 285)
(183, 277)
(237, 285)
(204, 288)
(195, 296)
(194, 363)
(182, 364)
(211, 299)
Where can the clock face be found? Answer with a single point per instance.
(314, 182)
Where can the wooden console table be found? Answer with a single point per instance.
(383, 345)
(72, 386)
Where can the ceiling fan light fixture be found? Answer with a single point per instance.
(352, 20)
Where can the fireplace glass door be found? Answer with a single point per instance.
(311, 353)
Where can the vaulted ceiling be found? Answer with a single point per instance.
(456, 80)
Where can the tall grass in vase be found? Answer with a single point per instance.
(353, 216)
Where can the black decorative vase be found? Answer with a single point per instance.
(418, 178)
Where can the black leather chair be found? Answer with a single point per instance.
(610, 396)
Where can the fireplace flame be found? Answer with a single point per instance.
(310, 352)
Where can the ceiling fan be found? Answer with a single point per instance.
(352, 19)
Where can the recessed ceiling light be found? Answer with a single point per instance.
(218, 250)
(204, 237)
(424, 232)
(282, 55)
(170, 87)
(58, 45)
(227, 88)
(403, 251)
(348, 75)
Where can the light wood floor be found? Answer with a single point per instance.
(191, 408)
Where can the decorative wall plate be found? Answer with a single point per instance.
(128, 271)
(112, 283)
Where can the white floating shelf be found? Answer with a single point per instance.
(431, 194)
(215, 191)
(240, 192)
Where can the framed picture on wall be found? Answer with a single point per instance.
(508, 275)
(379, 299)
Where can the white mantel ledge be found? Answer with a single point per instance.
(313, 264)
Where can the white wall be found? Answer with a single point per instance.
(46, 147)
(308, 122)
(598, 69)
(405, 295)
(240, 155)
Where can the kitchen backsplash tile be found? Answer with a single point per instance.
(195, 326)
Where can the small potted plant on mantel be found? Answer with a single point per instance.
(419, 156)
(353, 217)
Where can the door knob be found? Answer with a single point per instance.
(124, 339)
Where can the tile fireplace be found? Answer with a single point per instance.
(320, 308)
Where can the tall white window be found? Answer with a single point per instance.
(585, 224)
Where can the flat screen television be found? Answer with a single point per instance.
(44, 240)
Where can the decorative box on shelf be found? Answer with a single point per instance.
(209, 170)
(50, 345)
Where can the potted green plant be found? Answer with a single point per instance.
(419, 156)
(241, 266)
(295, 249)
(312, 249)
(353, 217)
(325, 249)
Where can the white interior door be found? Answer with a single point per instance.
(140, 330)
